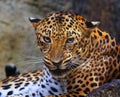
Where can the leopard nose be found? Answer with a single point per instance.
(57, 63)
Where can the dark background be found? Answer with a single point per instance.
(106, 11)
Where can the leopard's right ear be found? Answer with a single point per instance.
(34, 21)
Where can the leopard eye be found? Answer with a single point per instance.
(70, 40)
(46, 39)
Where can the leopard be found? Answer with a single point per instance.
(75, 51)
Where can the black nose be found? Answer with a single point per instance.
(57, 63)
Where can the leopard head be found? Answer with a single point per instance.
(60, 38)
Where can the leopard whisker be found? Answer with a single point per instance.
(72, 66)
(30, 59)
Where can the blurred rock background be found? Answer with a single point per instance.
(17, 38)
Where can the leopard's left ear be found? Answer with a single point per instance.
(90, 27)
(92, 24)
(34, 21)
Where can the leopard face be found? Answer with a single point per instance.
(60, 38)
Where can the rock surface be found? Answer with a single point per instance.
(111, 89)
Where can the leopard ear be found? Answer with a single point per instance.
(34, 21)
(92, 24)
(90, 27)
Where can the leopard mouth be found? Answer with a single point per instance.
(59, 72)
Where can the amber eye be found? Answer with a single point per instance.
(70, 40)
(46, 39)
